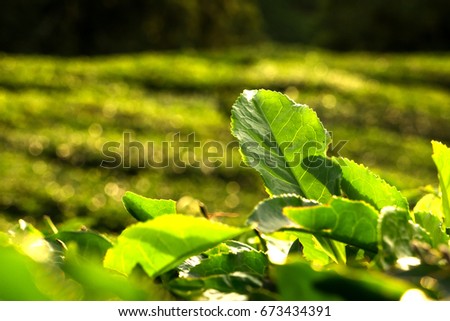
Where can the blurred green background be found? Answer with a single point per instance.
(76, 74)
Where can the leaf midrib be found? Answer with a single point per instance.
(260, 110)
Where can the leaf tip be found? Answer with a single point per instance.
(249, 94)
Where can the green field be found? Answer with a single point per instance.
(57, 113)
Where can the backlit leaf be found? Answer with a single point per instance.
(433, 226)
(286, 143)
(359, 183)
(143, 208)
(161, 244)
(430, 203)
(351, 222)
(441, 157)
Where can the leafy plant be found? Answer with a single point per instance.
(331, 229)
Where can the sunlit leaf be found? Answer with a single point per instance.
(430, 203)
(441, 157)
(31, 241)
(24, 279)
(16, 278)
(99, 283)
(312, 250)
(433, 226)
(286, 143)
(351, 222)
(164, 242)
(4, 239)
(333, 248)
(359, 183)
(143, 208)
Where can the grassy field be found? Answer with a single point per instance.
(57, 114)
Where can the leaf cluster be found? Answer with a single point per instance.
(330, 230)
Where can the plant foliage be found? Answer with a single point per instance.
(330, 230)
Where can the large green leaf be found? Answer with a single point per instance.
(286, 143)
(441, 157)
(160, 244)
(359, 183)
(143, 208)
(351, 222)
(397, 233)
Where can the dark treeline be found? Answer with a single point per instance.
(73, 27)
(378, 25)
(70, 27)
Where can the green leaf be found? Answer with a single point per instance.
(4, 239)
(441, 157)
(430, 203)
(100, 284)
(397, 233)
(195, 288)
(286, 143)
(229, 267)
(17, 278)
(298, 281)
(334, 249)
(31, 242)
(24, 279)
(268, 215)
(239, 259)
(161, 244)
(433, 226)
(351, 222)
(143, 208)
(89, 244)
(359, 183)
(312, 250)
(230, 246)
